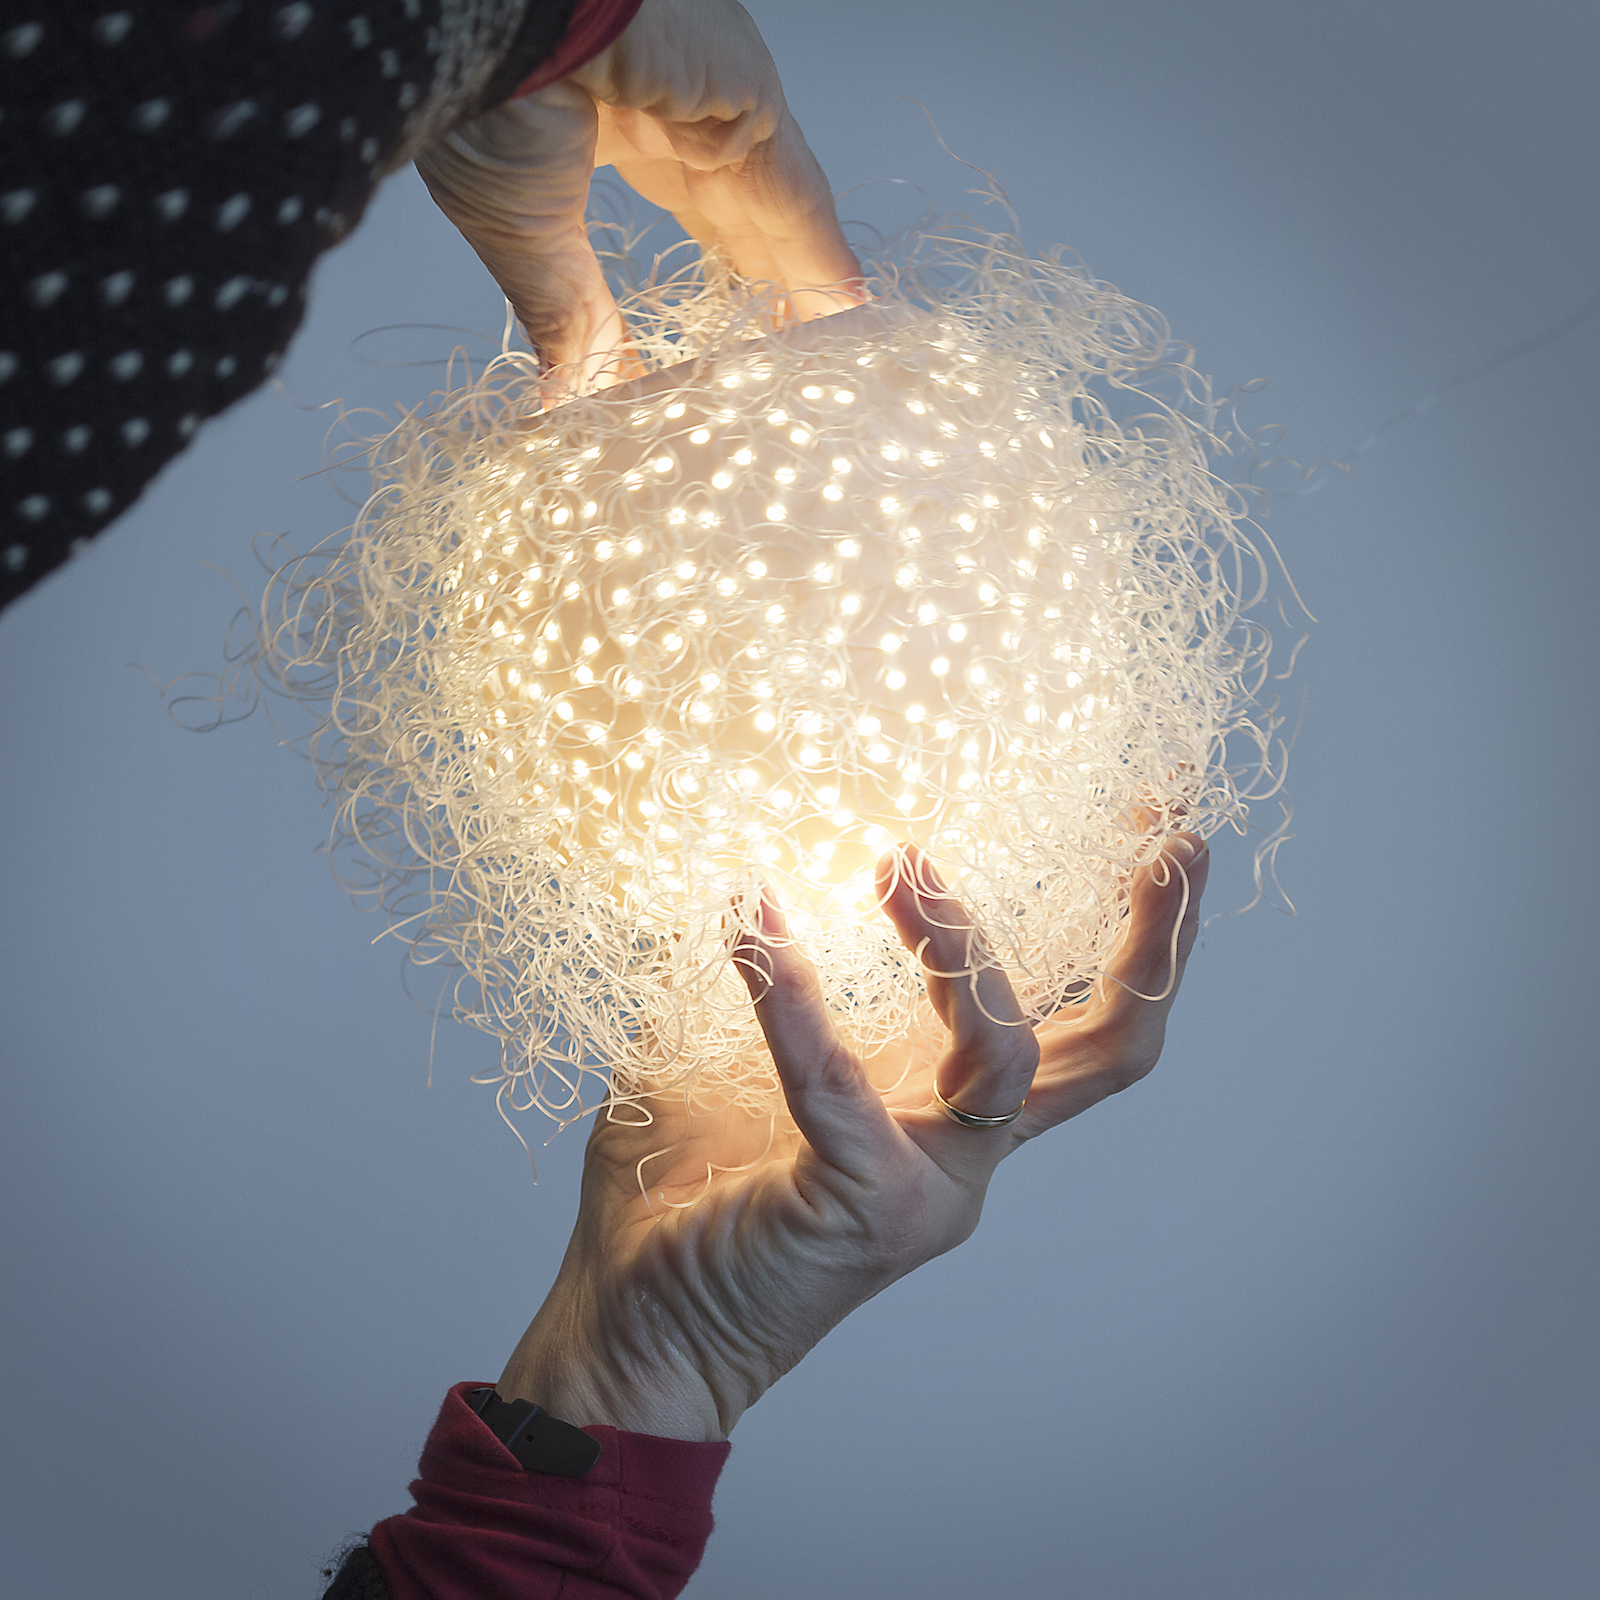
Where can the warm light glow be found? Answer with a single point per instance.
(882, 577)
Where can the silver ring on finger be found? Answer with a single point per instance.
(968, 1120)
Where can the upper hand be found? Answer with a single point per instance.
(671, 1319)
(687, 106)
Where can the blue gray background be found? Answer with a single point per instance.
(1309, 1315)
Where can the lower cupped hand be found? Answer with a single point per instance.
(673, 1318)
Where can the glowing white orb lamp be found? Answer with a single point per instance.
(896, 574)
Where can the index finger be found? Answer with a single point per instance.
(773, 215)
(515, 181)
(839, 1113)
(695, 119)
(767, 209)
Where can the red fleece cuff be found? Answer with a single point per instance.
(483, 1528)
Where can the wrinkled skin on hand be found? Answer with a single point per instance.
(688, 108)
(673, 1320)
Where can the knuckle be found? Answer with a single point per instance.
(1132, 1068)
(756, 970)
(837, 1073)
(1011, 1053)
(1017, 1054)
(1115, 1061)
(956, 1231)
(795, 977)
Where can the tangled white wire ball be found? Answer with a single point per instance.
(918, 571)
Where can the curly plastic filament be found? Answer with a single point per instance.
(897, 574)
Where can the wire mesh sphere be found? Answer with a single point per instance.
(894, 575)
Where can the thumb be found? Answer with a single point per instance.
(515, 181)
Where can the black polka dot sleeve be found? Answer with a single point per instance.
(169, 173)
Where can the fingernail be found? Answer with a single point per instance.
(772, 917)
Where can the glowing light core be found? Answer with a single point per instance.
(892, 575)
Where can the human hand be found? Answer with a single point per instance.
(687, 106)
(672, 1319)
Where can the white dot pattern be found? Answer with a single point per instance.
(232, 212)
(64, 118)
(230, 119)
(47, 288)
(100, 201)
(168, 177)
(232, 292)
(22, 40)
(292, 20)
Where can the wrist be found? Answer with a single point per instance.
(576, 1374)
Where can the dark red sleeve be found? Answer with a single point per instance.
(593, 26)
(482, 1528)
